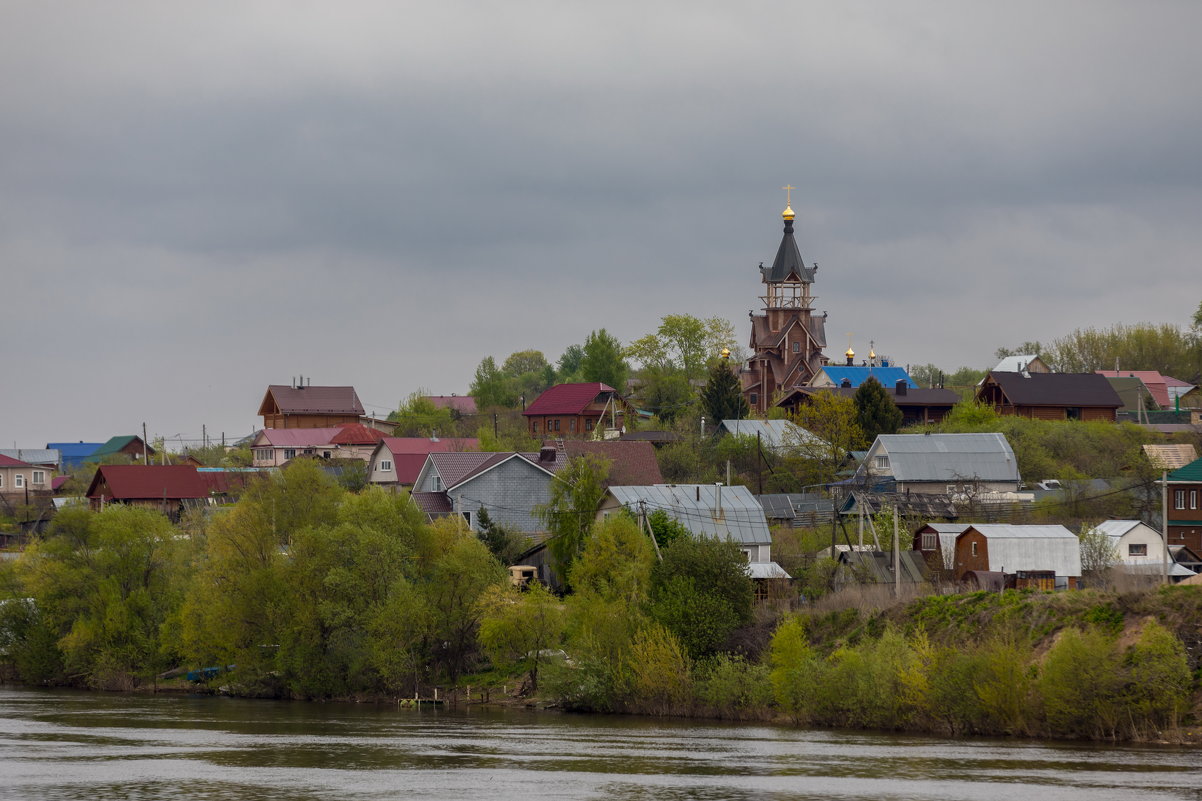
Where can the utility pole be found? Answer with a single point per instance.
(759, 464)
(204, 436)
(1164, 519)
(896, 557)
(145, 457)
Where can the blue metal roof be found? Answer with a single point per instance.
(858, 374)
(74, 452)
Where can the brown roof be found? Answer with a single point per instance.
(455, 468)
(1056, 389)
(632, 463)
(432, 503)
(153, 481)
(567, 398)
(463, 404)
(310, 400)
(409, 453)
(913, 397)
(357, 434)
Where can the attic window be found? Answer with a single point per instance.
(386, 465)
(882, 462)
(974, 549)
(1137, 549)
(797, 347)
(928, 540)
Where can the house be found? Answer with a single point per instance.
(1034, 556)
(49, 458)
(396, 461)
(274, 447)
(630, 462)
(74, 453)
(1022, 363)
(1050, 396)
(18, 479)
(577, 410)
(306, 406)
(707, 510)
(937, 544)
(168, 489)
(1152, 379)
(918, 406)
(796, 509)
(967, 467)
(774, 435)
(787, 337)
(1182, 394)
(1139, 548)
(850, 376)
(1135, 397)
(509, 486)
(1185, 506)
(130, 446)
(460, 405)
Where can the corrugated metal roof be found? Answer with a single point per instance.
(1191, 472)
(298, 437)
(1035, 547)
(1152, 379)
(949, 457)
(858, 374)
(775, 434)
(742, 518)
(766, 570)
(33, 455)
(1015, 364)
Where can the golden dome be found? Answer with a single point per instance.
(788, 212)
(849, 353)
(872, 354)
(726, 353)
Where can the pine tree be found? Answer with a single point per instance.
(722, 398)
(875, 410)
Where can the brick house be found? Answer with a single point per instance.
(576, 410)
(309, 406)
(1050, 396)
(1185, 506)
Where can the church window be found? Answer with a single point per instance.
(797, 347)
(755, 399)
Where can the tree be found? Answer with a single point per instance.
(518, 628)
(683, 342)
(1098, 553)
(1144, 346)
(602, 360)
(458, 578)
(528, 373)
(568, 366)
(701, 591)
(419, 417)
(666, 393)
(831, 419)
(491, 387)
(875, 410)
(722, 397)
(504, 543)
(1027, 348)
(576, 490)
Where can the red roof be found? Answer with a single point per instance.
(464, 404)
(153, 481)
(409, 453)
(567, 398)
(356, 434)
(311, 400)
(8, 461)
(1152, 379)
(299, 437)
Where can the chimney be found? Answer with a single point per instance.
(901, 387)
(717, 500)
(845, 383)
(546, 454)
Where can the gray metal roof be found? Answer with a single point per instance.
(742, 518)
(948, 457)
(771, 570)
(774, 434)
(34, 455)
(1017, 547)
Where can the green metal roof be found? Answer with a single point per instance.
(1191, 472)
(114, 445)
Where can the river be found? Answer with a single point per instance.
(75, 745)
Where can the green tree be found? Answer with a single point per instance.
(875, 410)
(576, 491)
(419, 417)
(835, 429)
(518, 628)
(1163, 347)
(458, 578)
(602, 360)
(1027, 348)
(567, 369)
(666, 392)
(702, 592)
(683, 342)
(722, 397)
(504, 543)
(491, 387)
(665, 528)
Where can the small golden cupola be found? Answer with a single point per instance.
(851, 356)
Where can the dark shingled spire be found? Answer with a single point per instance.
(788, 264)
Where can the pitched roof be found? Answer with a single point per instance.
(858, 374)
(74, 451)
(409, 453)
(298, 437)
(630, 462)
(34, 455)
(455, 468)
(356, 434)
(1017, 363)
(311, 400)
(1152, 379)
(432, 503)
(788, 262)
(949, 457)
(693, 505)
(1014, 547)
(149, 482)
(774, 434)
(464, 404)
(8, 461)
(912, 397)
(1056, 389)
(1191, 472)
(1170, 457)
(567, 398)
(115, 445)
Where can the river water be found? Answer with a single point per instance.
(74, 745)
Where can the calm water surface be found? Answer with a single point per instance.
(63, 745)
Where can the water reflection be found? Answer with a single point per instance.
(63, 745)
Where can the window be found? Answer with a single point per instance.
(928, 540)
(1179, 499)
(556, 423)
(289, 453)
(19, 480)
(467, 516)
(797, 347)
(438, 483)
(572, 425)
(1137, 549)
(263, 454)
(1073, 413)
(386, 465)
(325, 454)
(974, 549)
(882, 462)
(755, 399)
(39, 477)
(534, 426)
(1, 480)
(1193, 497)
(588, 425)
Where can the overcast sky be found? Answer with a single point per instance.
(201, 199)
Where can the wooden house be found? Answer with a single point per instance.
(307, 406)
(918, 406)
(167, 489)
(1185, 506)
(129, 446)
(1050, 396)
(577, 410)
(396, 461)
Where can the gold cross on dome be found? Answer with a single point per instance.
(788, 194)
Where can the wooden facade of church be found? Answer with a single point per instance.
(787, 338)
